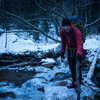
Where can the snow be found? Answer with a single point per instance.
(28, 90)
(51, 74)
(92, 42)
(58, 92)
(50, 60)
(17, 45)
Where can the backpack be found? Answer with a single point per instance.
(84, 51)
(77, 22)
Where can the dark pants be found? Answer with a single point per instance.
(72, 65)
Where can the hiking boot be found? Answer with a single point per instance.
(72, 85)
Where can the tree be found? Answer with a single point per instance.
(32, 12)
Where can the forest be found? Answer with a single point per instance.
(31, 65)
(30, 15)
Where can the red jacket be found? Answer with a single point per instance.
(70, 41)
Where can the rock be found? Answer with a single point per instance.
(48, 63)
(41, 89)
(61, 76)
(7, 94)
(61, 83)
(59, 93)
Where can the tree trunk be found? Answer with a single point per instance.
(73, 10)
(36, 35)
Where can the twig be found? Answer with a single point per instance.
(92, 23)
(6, 41)
(19, 31)
(6, 61)
(89, 4)
(55, 12)
(40, 6)
(19, 64)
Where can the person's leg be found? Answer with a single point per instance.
(71, 61)
(80, 73)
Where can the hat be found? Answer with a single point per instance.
(75, 19)
(66, 21)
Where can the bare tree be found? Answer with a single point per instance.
(35, 28)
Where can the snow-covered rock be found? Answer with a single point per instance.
(63, 93)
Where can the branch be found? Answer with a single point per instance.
(7, 61)
(60, 8)
(13, 15)
(19, 64)
(19, 31)
(37, 19)
(40, 6)
(89, 4)
(57, 13)
(92, 23)
(47, 10)
(56, 6)
(56, 25)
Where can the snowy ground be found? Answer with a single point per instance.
(18, 45)
(28, 90)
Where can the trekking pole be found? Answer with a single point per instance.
(78, 90)
(63, 62)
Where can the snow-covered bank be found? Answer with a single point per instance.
(92, 43)
(19, 45)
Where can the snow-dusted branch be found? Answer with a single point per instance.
(92, 67)
(35, 28)
(57, 13)
(56, 25)
(19, 31)
(20, 64)
(89, 4)
(87, 25)
(40, 6)
(51, 11)
(18, 17)
(37, 19)
(56, 6)
(59, 5)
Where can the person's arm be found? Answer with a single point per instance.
(63, 41)
(79, 42)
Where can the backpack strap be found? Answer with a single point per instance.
(70, 35)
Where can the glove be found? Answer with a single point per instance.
(78, 57)
(62, 56)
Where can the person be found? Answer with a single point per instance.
(74, 48)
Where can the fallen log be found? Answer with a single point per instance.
(6, 61)
(19, 64)
(87, 81)
(92, 67)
